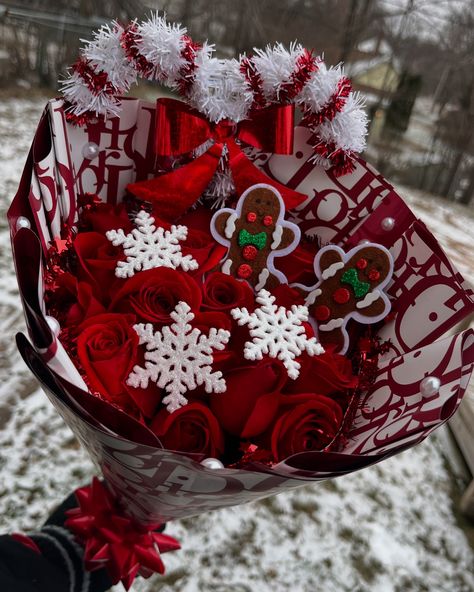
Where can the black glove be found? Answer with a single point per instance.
(55, 565)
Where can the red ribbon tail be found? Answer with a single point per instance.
(175, 192)
(246, 174)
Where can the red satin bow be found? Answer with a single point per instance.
(180, 129)
(113, 540)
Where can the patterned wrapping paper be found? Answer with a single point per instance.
(428, 294)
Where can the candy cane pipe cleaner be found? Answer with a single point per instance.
(129, 42)
(102, 72)
(348, 128)
(220, 89)
(277, 68)
(162, 44)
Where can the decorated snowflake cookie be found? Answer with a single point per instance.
(148, 246)
(179, 358)
(277, 332)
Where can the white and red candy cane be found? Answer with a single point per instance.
(221, 89)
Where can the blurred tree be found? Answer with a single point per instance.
(456, 112)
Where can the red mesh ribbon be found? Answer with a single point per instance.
(114, 541)
(180, 129)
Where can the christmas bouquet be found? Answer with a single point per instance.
(222, 305)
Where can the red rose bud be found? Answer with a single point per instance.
(192, 428)
(97, 259)
(251, 400)
(153, 294)
(107, 348)
(222, 292)
(326, 374)
(204, 249)
(298, 265)
(85, 307)
(306, 423)
(103, 217)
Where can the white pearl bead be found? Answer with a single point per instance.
(53, 325)
(90, 150)
(388, 223)
(22, 222)
(212, 463)
(429, 386)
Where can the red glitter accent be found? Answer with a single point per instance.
(305, 65)
(128, 41)
(334, 105)
(322, 313)
(362, 263)
(58, 258)
(267, 221)
(374, 275)
(254, 80)
(97, 82)
(88, 201)
(186, 73)
(251, 217)
(249, 252)
(253, 454)
(366, 359)
(244, 271)
(341, 295)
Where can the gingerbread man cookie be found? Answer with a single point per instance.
(350, 286)
(255, 233)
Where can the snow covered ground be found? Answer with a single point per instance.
(389, 528)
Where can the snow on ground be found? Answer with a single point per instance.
(389, 528)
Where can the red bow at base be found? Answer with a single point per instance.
(113, 540)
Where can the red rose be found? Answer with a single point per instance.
(103, 217)
(326, 374)
(153, 294)
(97, 259)
(204, 249)
(298, 265)
(192, 428)
(73, 301)
(107, 348)
(251, 400)
(287, 296)
(305, 423)
(222, 292)
(85, 307)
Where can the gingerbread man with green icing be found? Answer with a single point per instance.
(255, 233)
(350, 286)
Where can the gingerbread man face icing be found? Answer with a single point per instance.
(255, 233)
(350, 285)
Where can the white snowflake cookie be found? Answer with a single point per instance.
(147, 246)
(178, 358)
(277, 332)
